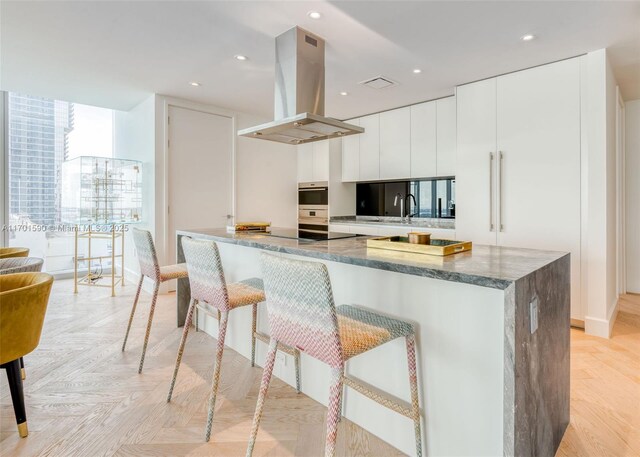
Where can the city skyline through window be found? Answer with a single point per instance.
(42, 134)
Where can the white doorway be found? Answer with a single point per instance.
(199, 171)
(621, 273)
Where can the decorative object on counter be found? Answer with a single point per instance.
(6, 253)
(23, 303)
(211, 293)
(249, 227)
(302, 314)
(435, 247)
(150, 268)
(100, 195)
(419, 238)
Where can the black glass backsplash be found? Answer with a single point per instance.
(433, 198)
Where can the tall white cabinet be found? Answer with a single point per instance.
(313, 161)
(518, 162)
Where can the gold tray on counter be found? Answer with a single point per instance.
(436, 247)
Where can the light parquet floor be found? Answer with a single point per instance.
(85, 398)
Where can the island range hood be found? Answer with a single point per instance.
(299, 96)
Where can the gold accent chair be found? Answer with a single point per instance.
(5, 253)
(12, 265)
(23, 303)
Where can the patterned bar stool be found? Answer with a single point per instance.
(213, 295)
(302, 314)
(150, 268)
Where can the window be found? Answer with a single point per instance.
(42, 134)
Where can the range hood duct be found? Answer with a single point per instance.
(299, 95)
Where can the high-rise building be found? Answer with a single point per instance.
(38, 129)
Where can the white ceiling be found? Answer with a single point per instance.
(114, 54)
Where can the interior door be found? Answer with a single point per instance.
(200, 171)
(539, 174)
(476, 153)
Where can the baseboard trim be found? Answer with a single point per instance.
(601, 327)
(613, 315)
(577, 323)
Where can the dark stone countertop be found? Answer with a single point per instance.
(488, 266)
(420, 222)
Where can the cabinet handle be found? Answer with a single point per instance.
(500, 225)
(491, 191)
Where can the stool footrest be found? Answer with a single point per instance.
(281, 347)
(385, 399)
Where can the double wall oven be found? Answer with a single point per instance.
(313, 206)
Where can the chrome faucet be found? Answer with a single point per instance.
(395, 203)
(415, 204)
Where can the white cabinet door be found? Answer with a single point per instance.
(351, 155)
(370, 148)
(321, 160)
(305, 162)
(538, 133)
(360, 229)
(446, 136)
(342, 228)
(395, 144)
(476, 154)
(423, 140)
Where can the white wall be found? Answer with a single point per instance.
(612, 190)
(632, 178)
(265, 172)
(599, 201)
(266, 179)
(3, 172)
(134, 138)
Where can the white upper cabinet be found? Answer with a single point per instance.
(370, 148)
(313, 161)
(321, 160)
(305, 162)
(395, 144)
(351, 155)
(423, 140)
(446, 136)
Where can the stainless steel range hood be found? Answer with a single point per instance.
(299, 96)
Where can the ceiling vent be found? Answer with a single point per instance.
(379, 82)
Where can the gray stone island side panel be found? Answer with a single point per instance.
(541, 360)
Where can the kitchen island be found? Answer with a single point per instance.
(492, 332)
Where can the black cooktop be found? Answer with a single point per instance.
(307, 235)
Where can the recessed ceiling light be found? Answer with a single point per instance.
(417, 70)
(195, 84)
(314, 15)
(344, 93)
(527, 37)
(241, 57)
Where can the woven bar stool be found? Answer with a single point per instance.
(302, 314)
(150, 268)
(211, 293)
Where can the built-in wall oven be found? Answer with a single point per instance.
(313, 206)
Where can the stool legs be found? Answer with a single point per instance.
(23, 372)
(133, 310)
(333, 411)
(254, 327)
(224, 317)
(185, 332)
(413, 384)
(264, 386)
(17, 395)
(146, 336)
(296, 360)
